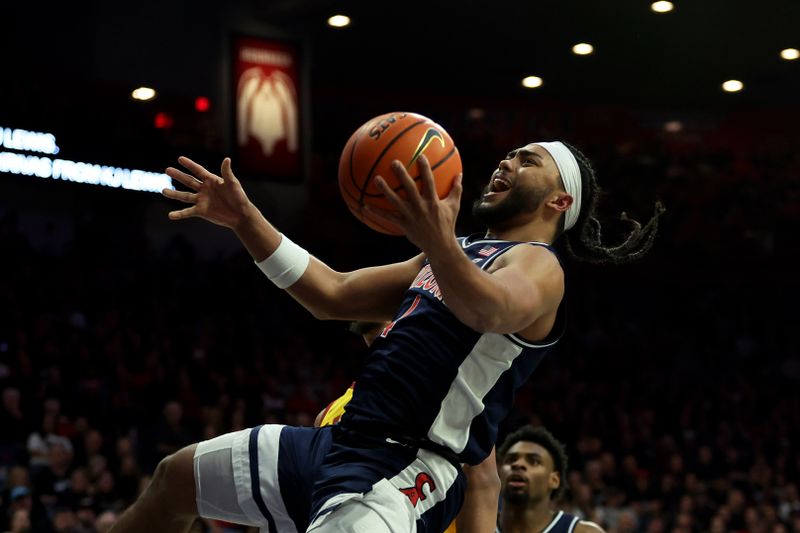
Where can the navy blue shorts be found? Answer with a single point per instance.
(284, 478)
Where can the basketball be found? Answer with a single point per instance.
(370, 151)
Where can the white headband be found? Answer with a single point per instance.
(570, 177)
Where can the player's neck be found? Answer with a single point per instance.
(533, 231)
(532, 518)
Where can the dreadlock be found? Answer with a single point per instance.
(584, 241)
(546, 440)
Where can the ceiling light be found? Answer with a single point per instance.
(732, 86)
(143, 93)
(531, 82)
(662, 6)
(339, 21)
(582, 49)
(790, 54)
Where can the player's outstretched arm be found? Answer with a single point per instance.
(371, 294)
(525, 283)
(479, 512)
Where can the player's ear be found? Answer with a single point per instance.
(559, 201)
(554, 481)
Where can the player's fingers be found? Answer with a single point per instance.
(227, 171)
(198, 170)
(183, 213)
(428, 184)
(454, 196)
(400, 204)
(181, 176)
(181, 196)
(412, 194)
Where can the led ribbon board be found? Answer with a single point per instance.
(44, 166)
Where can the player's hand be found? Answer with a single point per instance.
(427, 220)
(220, 200)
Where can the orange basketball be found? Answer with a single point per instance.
(371, 150)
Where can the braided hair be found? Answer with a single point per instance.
(584, 240)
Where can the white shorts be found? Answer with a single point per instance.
(265, 477)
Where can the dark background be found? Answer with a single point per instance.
(111, 311)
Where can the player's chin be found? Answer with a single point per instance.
(487, 202)
(516, 496)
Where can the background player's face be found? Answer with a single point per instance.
(518, 187)
(527, 474)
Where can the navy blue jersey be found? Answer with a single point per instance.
(430, 377)
(561, 523)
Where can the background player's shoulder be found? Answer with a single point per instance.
(585, 526)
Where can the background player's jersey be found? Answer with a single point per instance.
(429, 377)
(333, 413)
(562, 523)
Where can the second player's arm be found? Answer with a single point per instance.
(479, 512)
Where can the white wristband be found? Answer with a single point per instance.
(286, 265)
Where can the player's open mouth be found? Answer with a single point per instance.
(517, 481)
(498, 185)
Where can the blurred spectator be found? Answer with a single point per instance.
(104, 521)
(14, 424)
(52, 482)
(40, 441)
(20, 521)
(171, 434)
(675, 387)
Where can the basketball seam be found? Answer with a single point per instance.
(434, 167)
(370, 177)
(358, 210)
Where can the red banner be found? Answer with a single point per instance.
(267, 88)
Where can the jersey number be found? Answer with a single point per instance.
(410, 310)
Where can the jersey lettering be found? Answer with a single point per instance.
(426, 281)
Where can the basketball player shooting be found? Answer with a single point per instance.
(476, 315)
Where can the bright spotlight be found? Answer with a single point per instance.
(582, 49)
(531, 82)
(673, 126)
(339, 21)
(662, 6)
(790, 54)
(732, 86)
(143, 93)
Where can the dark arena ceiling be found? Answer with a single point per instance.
(75, 63)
